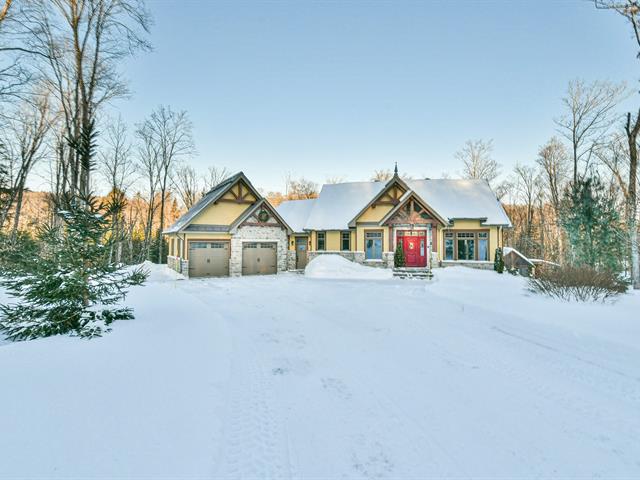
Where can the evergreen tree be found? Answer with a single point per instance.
(593, 226)
(398, 257)
(67, 284)
(155, 248)
(498, 261)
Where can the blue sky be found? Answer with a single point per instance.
(322, 89)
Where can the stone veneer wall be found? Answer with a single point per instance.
(291, 259)
(258, 234)
(481, 265)
(173, 263)
(178, 264)
(358, 257)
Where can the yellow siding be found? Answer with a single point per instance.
(333, 240)
(374, 214)
(220, 214)
(468, 225)
(292, 241)
(225, 213)
(495, 236)
(360, 231)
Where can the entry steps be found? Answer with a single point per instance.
(413, 272)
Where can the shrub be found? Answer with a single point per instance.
(398, 258)
(581, 283)
(498, 262)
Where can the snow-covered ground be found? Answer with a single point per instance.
(294, 376)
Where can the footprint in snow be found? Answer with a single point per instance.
(336, 387)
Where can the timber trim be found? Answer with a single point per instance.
(395, 181)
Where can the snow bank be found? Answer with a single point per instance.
(335, 266)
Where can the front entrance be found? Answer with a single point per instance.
(414, 245)
(301, 252)
(259, 258)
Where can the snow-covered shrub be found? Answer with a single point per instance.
(578, 283)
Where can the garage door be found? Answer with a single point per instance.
(208, 259)
(259, 258)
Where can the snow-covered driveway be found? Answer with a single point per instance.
(289, 377)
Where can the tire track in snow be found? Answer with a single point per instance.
(255, 438)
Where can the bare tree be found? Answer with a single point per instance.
(335, 179)
(630, 10)
(477, 160)
(214, 176)
(171, 134)
(527, 186)
(386, 175)
(553, 160)
(150, 169)
(24, 140)
(116, 161)
(15, 77)
(119, 171)
(381, 175)
(301, 189)
(185, 183)
(590, 113)
(77, 46)
(5, 9)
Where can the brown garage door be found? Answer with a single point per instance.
(259, 258)
(208, 259)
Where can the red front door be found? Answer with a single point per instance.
(414, 245)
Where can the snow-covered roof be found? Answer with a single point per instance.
(296, 212)
(339, 203)
(508, 250)
(461, 199)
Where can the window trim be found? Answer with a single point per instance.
(476, 246)
(324, 241)
(347, 234)
(449, 235)
(381, 233)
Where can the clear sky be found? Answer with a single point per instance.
(322, 89)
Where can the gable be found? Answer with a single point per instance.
(227, 209)
(382, 203)
(412, 211)
(220, 207)
(262, 216)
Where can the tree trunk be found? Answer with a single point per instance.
(162, 201)
(632, 215)
(16, 217)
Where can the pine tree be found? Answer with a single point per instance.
(398, 257)
(593, 226)
(498, 261)
(68, 285)
(66, 282)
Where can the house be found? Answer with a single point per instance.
(437, 222)
(231, 231)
